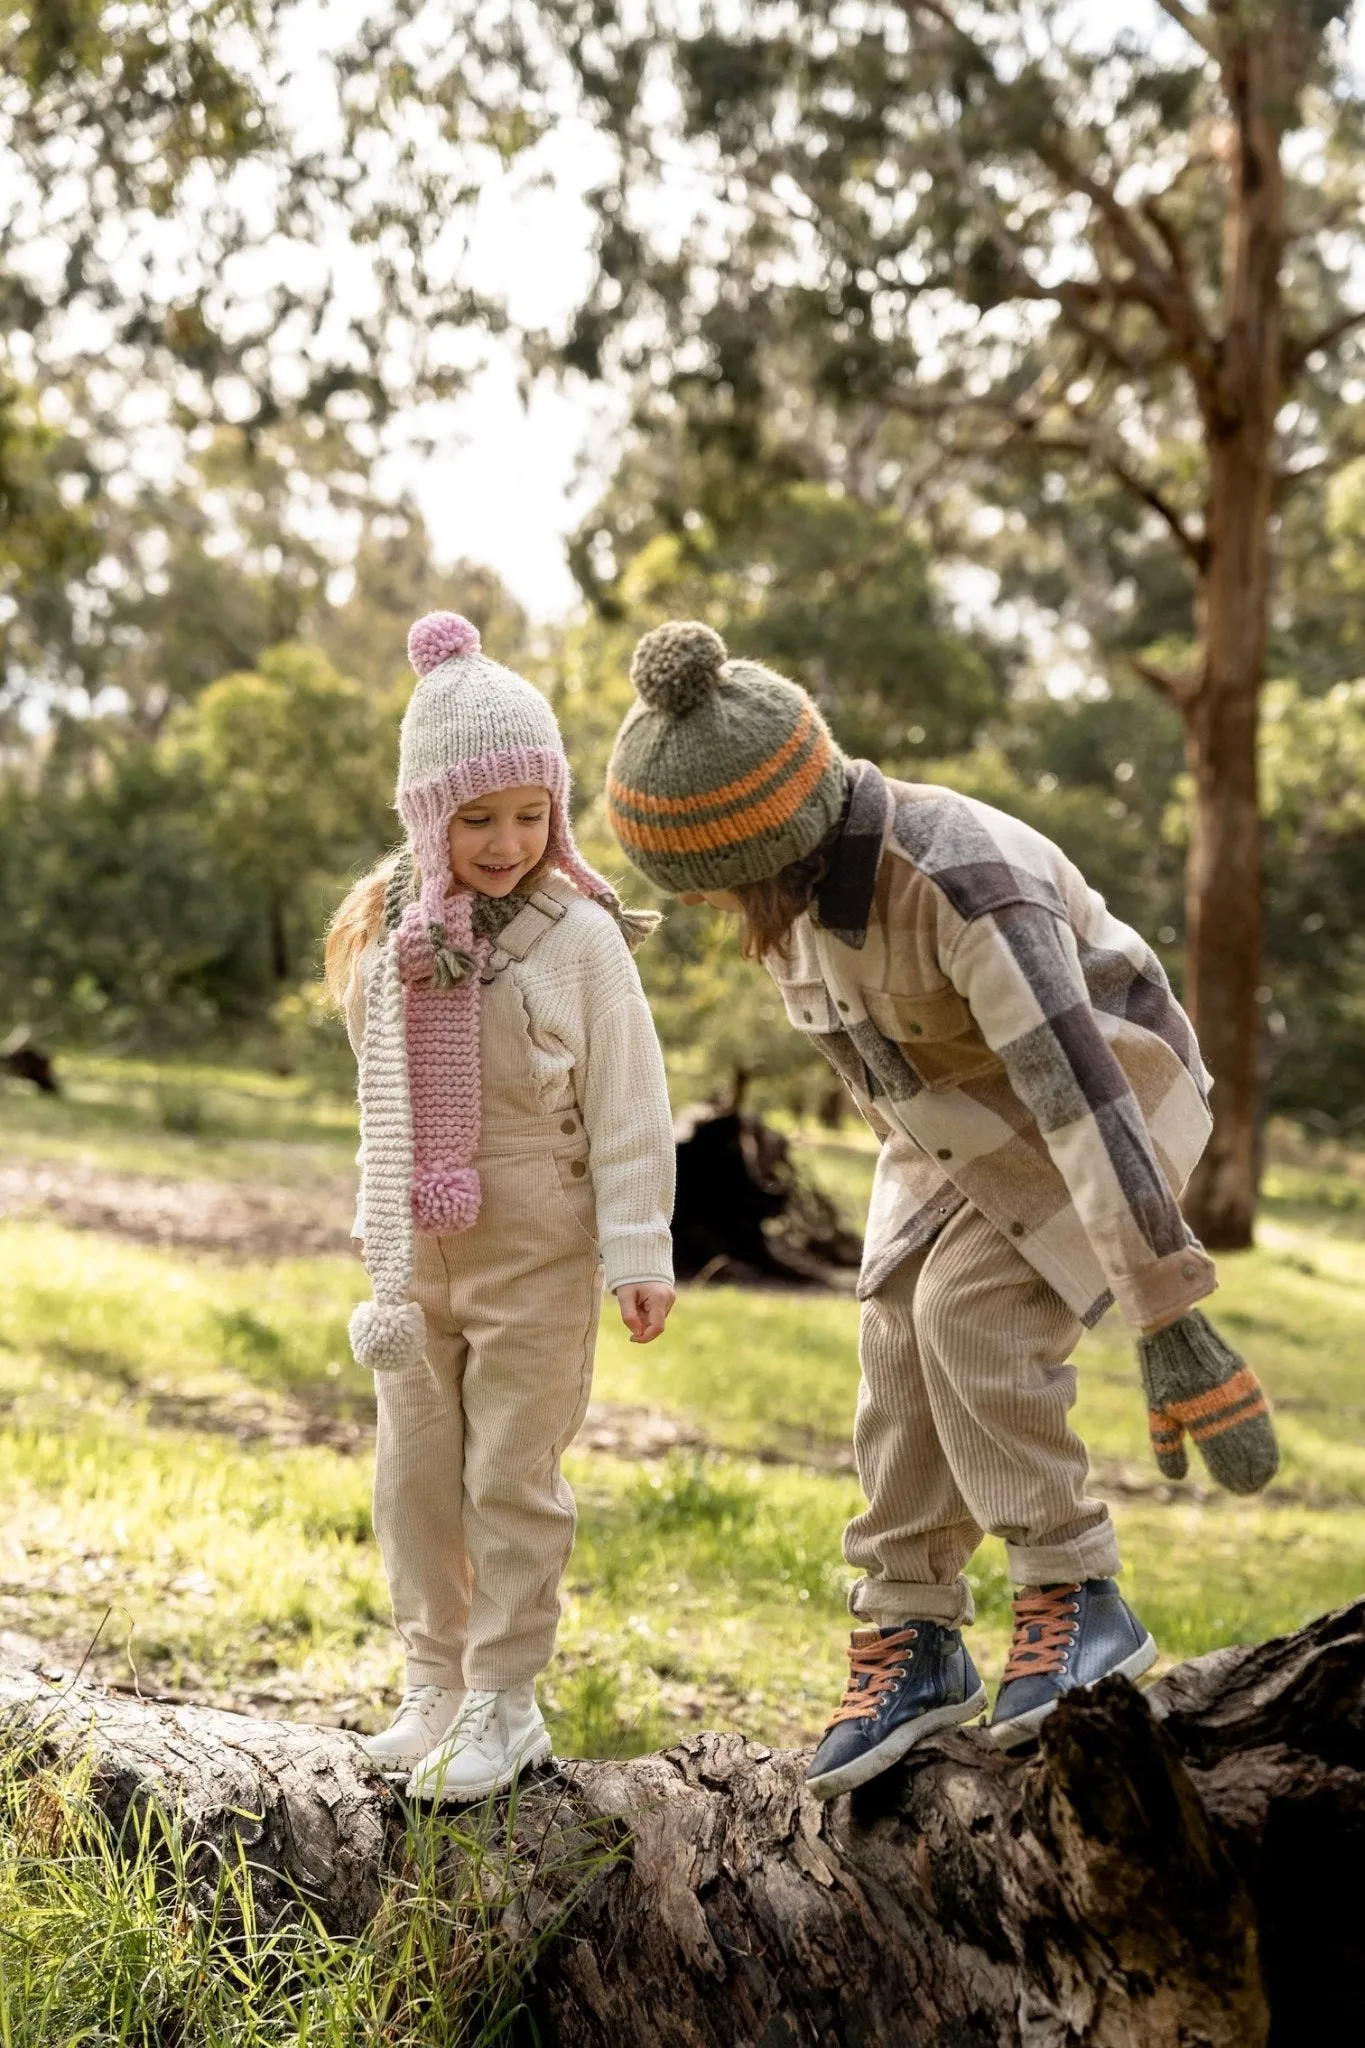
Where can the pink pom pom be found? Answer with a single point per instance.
(439, 637)
(445, 1199)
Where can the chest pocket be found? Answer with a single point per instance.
(807, 1005)
(936, 1032)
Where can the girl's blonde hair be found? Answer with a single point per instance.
(359, 918)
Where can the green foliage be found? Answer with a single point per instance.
(835, 594)
(116, 910)
(153, 886)
(294, 763)
(149, 154)
(1314, 763)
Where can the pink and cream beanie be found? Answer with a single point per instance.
(471, 727)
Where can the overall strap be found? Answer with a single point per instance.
(541, 914)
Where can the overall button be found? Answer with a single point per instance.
(568, 1127)
(841, 1005)
(1016, 1230)
(578, 1169)
(944, 1153)
(916, 1030)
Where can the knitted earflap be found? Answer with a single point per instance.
(635, 926)
(1194, 1381)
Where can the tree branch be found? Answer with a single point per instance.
(1180, 690)
(1165, 288)
(1074, 297)
(1171, 241)
(1196, 26)
(1023, 432)
(1296, 353)
(1345, 452)
(1195, 545)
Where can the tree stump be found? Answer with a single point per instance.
(745, 1213)
(26, 1062)
(1177, 1867)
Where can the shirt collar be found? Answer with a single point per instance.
(843, 901)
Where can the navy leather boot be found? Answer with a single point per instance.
(903, 1683)
(1065, 1637)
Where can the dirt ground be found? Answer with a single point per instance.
(237, 1221)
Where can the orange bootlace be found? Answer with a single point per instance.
(1051, 1611)
(874, 1666)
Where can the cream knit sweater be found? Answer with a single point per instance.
(592, 1045)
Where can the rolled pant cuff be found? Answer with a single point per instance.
(488, 1677)
(448, 1675)
(1095, 1555)
(885, 1601)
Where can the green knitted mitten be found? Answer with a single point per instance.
(1194, 1381)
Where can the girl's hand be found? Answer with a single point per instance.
(644, 1308)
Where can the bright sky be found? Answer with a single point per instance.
(517, 477)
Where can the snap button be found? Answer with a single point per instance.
(578, 1169)
(1016, 1230)
(805, 1017)
(841, 1005)
(944, 1153)
(568, 1127)
(916, 1030)
(1189, 1271)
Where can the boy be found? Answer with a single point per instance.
(1041, 1103)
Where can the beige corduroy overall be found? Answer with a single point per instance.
(474, 1519)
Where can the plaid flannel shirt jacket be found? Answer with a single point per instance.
(1012, 1043)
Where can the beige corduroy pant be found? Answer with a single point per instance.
(474, 1518)
(962, 1428)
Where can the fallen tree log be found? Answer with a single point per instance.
(1175, 1867)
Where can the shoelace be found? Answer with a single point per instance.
(474, 1715)
(873, 1669)
(1046, 1620)
(417, 1696)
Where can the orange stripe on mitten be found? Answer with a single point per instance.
(1168, 1443)
(1196, 1383)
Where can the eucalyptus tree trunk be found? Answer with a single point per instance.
(1240, 398)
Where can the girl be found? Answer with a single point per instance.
(516, 1148)
(1041, 1101)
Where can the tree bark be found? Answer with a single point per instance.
(1262, 68)
(1172, 1869)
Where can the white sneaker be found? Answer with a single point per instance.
(425, 1714)
(496, 1735)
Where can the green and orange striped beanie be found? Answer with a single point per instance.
(723, 772)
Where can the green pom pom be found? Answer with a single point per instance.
(676, 666)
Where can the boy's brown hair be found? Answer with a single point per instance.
(769, 909)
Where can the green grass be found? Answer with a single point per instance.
(184, 1454)
(134, 1940)
(189, 1119)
